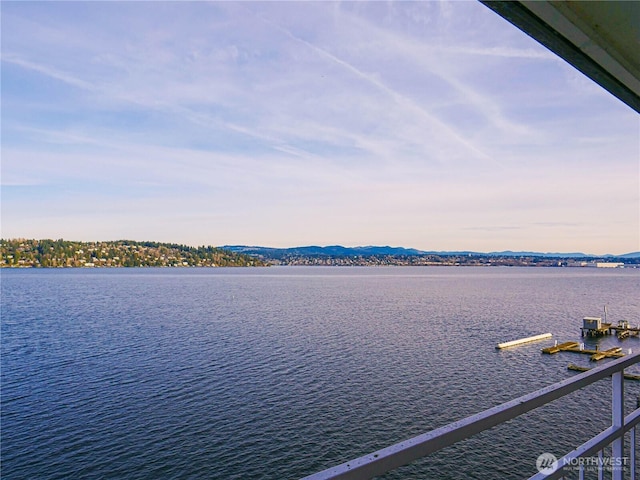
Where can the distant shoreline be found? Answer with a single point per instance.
(23, 253)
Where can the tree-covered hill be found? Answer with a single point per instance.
(121, 253)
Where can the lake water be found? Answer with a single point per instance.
(276, 373)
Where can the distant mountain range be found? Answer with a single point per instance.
(340, 251)
(314, 251)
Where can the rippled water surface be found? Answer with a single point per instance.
(277, 373)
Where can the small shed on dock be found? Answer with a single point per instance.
(595, 327)
(592, 323)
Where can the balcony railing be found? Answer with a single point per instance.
(403, 453)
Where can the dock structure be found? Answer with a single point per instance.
(560, 347)
(521, 341)
(612, 352)
(624, 330)
(595, 327)
(575, 347)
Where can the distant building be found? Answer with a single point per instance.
(578, 263)
(609, 264)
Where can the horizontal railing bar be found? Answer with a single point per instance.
(407, 451)
(591, 446)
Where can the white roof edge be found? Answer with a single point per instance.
(586, 37)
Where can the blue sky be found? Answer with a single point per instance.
(433, 125)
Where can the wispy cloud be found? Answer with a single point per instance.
(46, 70)
(405, 102)
(503, 52)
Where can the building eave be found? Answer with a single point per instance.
(599, 38)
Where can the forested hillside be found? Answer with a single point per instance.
(121, 253)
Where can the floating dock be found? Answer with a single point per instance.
(560, 347)
(577, 368)
(575, 347)
(612, 352)
(515, 343)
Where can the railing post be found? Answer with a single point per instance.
(632, 453)
(617, 417)
(600, 464)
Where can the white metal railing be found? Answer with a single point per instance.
(403, 453)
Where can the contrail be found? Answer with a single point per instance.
(398, 97)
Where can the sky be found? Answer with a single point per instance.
(432, 125)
